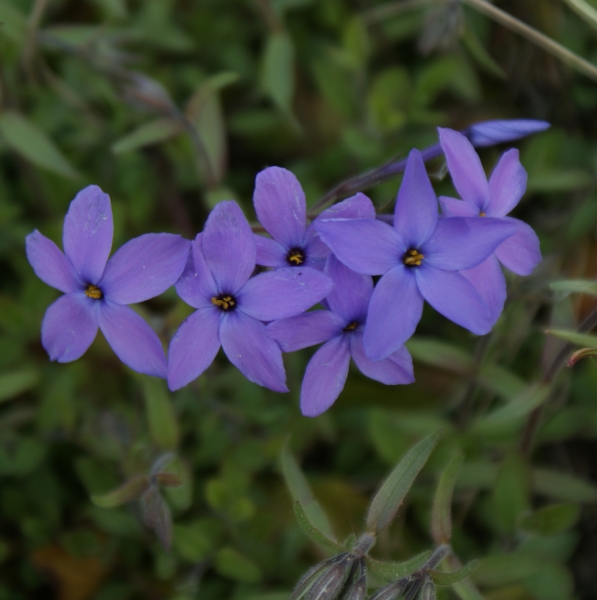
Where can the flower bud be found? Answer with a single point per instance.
(391, 591)
(356, 586)
(329, 585)
(427, 589)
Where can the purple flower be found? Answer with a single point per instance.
(231, 305)
(341, 328)
(281, 208)
(488, 133)
(419, 258)
(97, 290)
(494, 198)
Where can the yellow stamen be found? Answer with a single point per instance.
(413, 258)
(94, 292)
(296, 256)
(482, 214)
(224, 302)
(351, 326)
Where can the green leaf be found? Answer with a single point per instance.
(17, 382)
(441, 514)
(277, 77)
(194, 541)
(13, 22)
(163, 426)
(388, 499)
(582, 286)
(131, 490)
(508, 568)
(553, 182)
(466, 590)
(439, 354)
(25, 138)
(584, 10)
(153, 132)
(480, 54)
(441, 578)
(562, 486)
(232, 564)
(389, 571)
(551, 520)
(553, 582)
(301, 492)
(512, 491)
(581, 339)
(313, 533)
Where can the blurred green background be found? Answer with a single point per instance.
(173, 105)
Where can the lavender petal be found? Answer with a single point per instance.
(134, 342)
(521, 252)
(196, 285)
(507, 184)
(252, 352)
(325, 377)
(269, 252)
(306, 330)
(452, 207)
(488, 279)
(489, 133)
(194, 347)
(69, 327)
(145, 267)
(351, 292)
(394, 311)
(88, 231)
(50, 265)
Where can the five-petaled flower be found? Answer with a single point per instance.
(97, 290)
(341, 328)
(232, 306)
(494, 198)
(419, 258)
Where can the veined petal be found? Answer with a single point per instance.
(325, 377)
(396, 369)
(229, 247)
(452, 207)
(488, 133)
(50, 265)
(488, 279)
(465, 167)
(358, 206)
(351, 292)
(145, 267)
(283, 293)
(269, 252)
(507, 185)
(521, 252)
(69, 327)
(394, 311)
(416, 212)
(196, 285)
(252, 352)
(88, 231)
(462, 243)
(134, 342)
(306, 330)
(280, 205)
(194, 347)
(366, 246)
(454, 297)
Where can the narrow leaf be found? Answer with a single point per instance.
(508, 568)
(582, 286)
(562, 486)
(153, 132)
(32, 143)
(581, 339)
(278, 70)
(464, 589)
(388, 499)
(441, 578)
(441, 514)
(551, 520)
(163, 426)
(313, 533)
(17, 382)
(511, 492)
(389, 571)
(131, 490)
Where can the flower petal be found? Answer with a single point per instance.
(488, 279)
(416, 212)
(394, 312)
(397, 368)
(507, 184)
(325, 376)
(269, 252)
(358, 206)
(145, 267)
(69, 327)
(452, 207)
(280, 205)
(250, 350)
(229, 247)
(351, 292)
(306, 330)
(462, 243)
(283, 293)
(196, 285)
(194, 347)
(454, 297)
(134, 342)
(50, 265)
(465, 167)
(488, 133)
(379, 247)
(88, 231)
(521, 252)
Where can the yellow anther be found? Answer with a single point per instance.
(224, 302)
(351, 326)
(94, 292)
(296, 257)
(413, 258)
(482, 214)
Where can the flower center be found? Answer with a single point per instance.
(351, 326)
(224, 301)
(94, 292)
(482, 214)
(295, 257)
(413, 258)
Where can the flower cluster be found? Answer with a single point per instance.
(451, 260)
